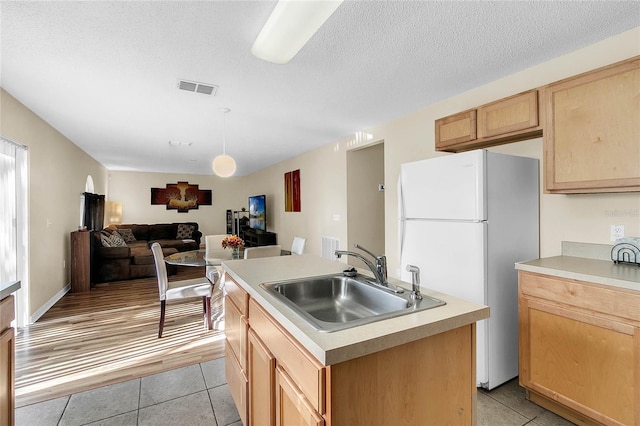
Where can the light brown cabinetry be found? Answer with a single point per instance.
(292, 407)
(592, 131)
(513, 114)
(580, 349)
(236, 327)
(261, 379)
(456, 130)
(7, 361)
(427, 381)
(506, 120)
(80, 261)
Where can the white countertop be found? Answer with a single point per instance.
(339, 346)
(6, 288)
(605, 272)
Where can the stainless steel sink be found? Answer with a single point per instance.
(336, 302)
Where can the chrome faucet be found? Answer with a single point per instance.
(379, 270)
(415, 281)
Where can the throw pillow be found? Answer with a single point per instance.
(127, 235)
(105, 239)
(116, 240)
(185, 231)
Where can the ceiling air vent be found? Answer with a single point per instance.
(194, 86)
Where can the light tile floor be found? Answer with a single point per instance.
(198, 395)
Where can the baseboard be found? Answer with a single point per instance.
(44, 308)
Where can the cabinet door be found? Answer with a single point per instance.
(236, 331)
(592, 130)
(261, 383)
(455, 129)
(237, 382)
(292, 408)
(508, 115)
(581, 361)
(7, 362)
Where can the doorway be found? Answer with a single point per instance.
(365, 200)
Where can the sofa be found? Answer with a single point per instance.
(122, 252)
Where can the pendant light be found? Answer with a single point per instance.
(224, 165)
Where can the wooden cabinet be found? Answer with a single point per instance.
(292, 407)
(80, 261)
(236, 328)
(287, 385)
(506, 116)
(507, 120)
(455, 130)
(580, 349)
(7, 361)
(592, 131)
(262, 367)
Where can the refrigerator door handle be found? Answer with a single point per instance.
(401, 215)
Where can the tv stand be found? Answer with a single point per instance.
(255, 238)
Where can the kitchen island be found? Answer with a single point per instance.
(417, 368)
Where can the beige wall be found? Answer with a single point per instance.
(133, 190)
(58, 170)
(584, 218)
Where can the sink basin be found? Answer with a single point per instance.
(336, 302)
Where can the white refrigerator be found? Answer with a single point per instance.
(465, 220)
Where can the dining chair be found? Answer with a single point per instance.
(297, 247)
(262, 251)
(213, 250)
(213, 253)
(197, 287)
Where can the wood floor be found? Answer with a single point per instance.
(110, 335)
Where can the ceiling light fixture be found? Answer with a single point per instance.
(224, 165)
(290, 26)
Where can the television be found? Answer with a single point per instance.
(258, 212)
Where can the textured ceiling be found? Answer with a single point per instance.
(105, 73)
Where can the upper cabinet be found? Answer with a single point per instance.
(592, 131)
(455, 130)
(506, 116)
(506, 120)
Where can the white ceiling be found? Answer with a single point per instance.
(105, 73)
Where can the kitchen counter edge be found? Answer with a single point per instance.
(619, 275)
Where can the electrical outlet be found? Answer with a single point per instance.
(617, 231)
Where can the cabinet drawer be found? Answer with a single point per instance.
(305, 370)
(236, 331)
(237, 294)
(237, 382)
(592, 297)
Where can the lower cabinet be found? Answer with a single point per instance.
(262, 366)
(7, 361)
(580, 349)
(236, 327)
(292, 407)
(428, 381)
